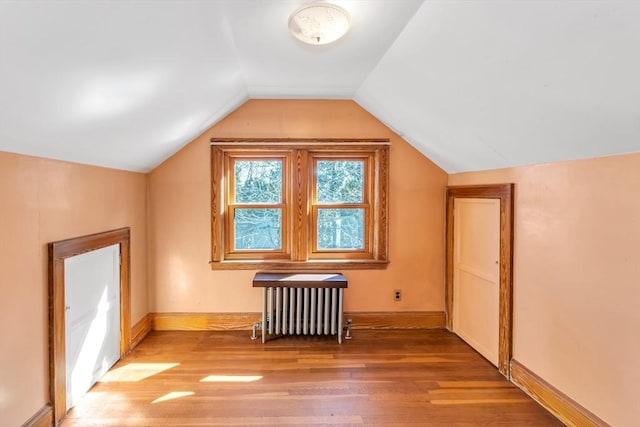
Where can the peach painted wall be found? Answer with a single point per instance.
(179, 206)
(577, 278)
(43, 201)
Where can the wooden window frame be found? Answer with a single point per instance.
(367, 205)
(299, 250)
(264, 254)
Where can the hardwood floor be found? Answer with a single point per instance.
(379, 378)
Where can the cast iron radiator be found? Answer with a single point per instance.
(301, 304)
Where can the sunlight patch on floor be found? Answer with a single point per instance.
(231, 378)
(135, 372)
(173, 395)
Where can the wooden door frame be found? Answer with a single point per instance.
(505, 193)
(58, 252)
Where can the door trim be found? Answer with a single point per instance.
(58, 252)
(504, 192)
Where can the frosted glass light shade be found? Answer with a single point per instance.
(319, 23)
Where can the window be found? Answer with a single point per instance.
(300, 205)
(257, 207)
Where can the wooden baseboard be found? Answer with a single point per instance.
(397, 320)
(562, 406)
(140, 330)
(42, 418)
(204, 321)
(245, 321)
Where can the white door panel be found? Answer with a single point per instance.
(476, 275)
(92, 318)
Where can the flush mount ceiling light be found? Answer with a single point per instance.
(319, 23)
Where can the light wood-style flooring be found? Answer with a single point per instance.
(379, 378)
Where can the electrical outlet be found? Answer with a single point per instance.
(397, 295)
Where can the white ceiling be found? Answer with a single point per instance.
(472, 84)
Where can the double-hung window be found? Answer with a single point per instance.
(257, 217)
(299, 204)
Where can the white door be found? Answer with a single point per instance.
(92, 318)
(476, 274)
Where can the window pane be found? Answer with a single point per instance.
(258, 228)
(340, 229)
(340, 181)
(258, 181)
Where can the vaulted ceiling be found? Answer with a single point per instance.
(471, 84)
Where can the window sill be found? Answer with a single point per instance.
(299, 265)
